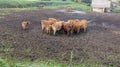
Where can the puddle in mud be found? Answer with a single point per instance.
(73, 11)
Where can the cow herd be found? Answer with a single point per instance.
(53, 25)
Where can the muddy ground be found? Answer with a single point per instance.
(101, 42)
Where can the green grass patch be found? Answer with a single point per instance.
(116, 10)
(42, 63)
(48, 4)
(79, 6)
(17, 3)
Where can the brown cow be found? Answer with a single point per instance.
(25, 24)
(49, 29)
(68, 8)
(44, 24)
(84, 24)
(68, 27)
(79, 24)
(57, 26)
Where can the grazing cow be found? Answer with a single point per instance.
(68, 8)
(57, 26)
(25, 24)
(68, 27)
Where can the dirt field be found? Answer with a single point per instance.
(101, 42)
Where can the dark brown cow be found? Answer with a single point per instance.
(68, 27)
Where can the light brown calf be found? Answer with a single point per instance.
(25, 24)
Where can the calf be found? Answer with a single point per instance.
(25, 24)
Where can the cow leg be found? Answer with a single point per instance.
(78, 30)
(47, 31)
(54, 31)
(85, 29)
(71, 32)
(68, 33)
(43, 28)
